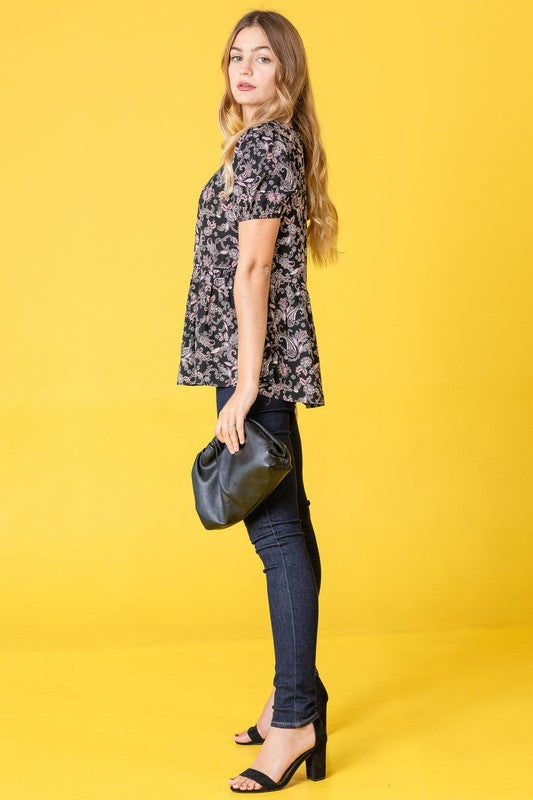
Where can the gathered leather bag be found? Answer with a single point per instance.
(228, 486)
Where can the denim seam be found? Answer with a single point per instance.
(310, 719)
(290, 603)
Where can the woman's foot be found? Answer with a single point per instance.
(281, 747)
(263, 723)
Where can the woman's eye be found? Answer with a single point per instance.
(264, 58)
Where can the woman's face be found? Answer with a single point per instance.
(252, 62)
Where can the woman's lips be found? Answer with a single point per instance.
(245, 87)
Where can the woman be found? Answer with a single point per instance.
(249, 331)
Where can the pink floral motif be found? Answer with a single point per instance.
(268, 163)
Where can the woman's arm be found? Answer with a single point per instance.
(257, 240)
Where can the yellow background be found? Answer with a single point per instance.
(418, 467)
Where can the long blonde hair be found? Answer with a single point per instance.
(293, 102)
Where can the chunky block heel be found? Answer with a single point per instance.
(315, 765)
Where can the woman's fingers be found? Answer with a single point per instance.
(232, 440)
(230, 424)
(231, 433)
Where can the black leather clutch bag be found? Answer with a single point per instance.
(228, 486)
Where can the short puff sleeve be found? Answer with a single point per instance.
(264, 175)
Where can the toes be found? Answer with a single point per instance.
(244, 784)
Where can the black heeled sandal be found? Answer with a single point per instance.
(315, 765)
(255, 736)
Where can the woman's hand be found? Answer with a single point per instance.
(233, 414)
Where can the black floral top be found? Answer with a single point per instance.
(268, 163)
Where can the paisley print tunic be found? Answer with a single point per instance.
(268, 163)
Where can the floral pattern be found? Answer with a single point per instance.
(268, 163)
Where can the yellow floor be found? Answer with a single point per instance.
(412, 715)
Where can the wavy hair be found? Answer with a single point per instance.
(292, 102)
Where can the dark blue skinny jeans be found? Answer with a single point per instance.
(281, 531)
